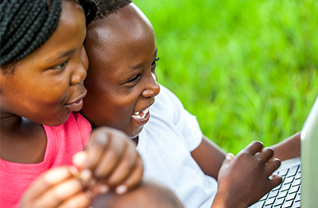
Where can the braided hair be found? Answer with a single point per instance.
(26, 24)
(106, 7)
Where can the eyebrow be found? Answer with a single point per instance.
(139, 65)
(60, 55)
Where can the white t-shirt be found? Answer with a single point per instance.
(165, 145)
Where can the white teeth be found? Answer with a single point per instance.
(137, 116)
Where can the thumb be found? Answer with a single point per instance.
(228, 159)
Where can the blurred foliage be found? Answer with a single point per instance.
(248, 69)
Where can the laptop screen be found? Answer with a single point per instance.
(309, 159)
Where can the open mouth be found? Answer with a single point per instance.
(140, 114)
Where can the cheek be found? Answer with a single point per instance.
(84, 58)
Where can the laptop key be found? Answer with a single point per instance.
(287, 204)
(298, 197)
(277, 187)
(285, 187)
(273, 193)
(294, 189)
(282, 194)
(296, 182)
(283, 172)
(288, 180)
(296, 204)
(269, 201)
(279, 202)
(291, 196)
(298, 175)
(292, 171)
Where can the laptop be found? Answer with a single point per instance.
(300, 175)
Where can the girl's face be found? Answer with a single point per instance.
(121, 82)
(47, 85)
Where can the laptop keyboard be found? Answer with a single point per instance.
(287, 194)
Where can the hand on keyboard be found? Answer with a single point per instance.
(246, 178)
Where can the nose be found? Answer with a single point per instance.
(81, 69)
(153, 88)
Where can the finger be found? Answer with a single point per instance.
(79, 159)
(253, 148)
(275, 180)
(228, 159)
(272, 165)
(265, 155)
(124, 167)
(99, 141)
(133, 179)
(59, 193)
(110, 158)
(81, 199)
(48, 180)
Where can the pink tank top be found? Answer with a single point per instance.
(62, 143)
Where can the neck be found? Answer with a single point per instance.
(135, 140)
(9, 121)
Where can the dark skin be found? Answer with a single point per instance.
(22, 110)
(148, 194)
(122, 81)
(45, 88)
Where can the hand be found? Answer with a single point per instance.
(110, 160)
(243, 180)
(58, 187)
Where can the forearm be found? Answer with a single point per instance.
(288, 148)
(221, 201)
(209, 157)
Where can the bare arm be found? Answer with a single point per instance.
(288, 148)
(209, 157)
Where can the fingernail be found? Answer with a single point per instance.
(103, 189)
(86, 175)
(229, 156)
(121, 189)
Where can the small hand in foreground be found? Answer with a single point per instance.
(110, 160)
(58, 187)
(243, 180)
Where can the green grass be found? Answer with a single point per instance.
(248, 69)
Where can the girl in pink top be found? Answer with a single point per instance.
(42, 68)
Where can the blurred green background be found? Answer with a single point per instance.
(248, 69)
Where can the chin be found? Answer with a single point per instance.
(135, 134)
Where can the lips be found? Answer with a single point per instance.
(76, 104)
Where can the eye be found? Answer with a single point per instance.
(155, 61)
(61, 66)
(135, 79)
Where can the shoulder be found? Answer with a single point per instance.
(168, 99)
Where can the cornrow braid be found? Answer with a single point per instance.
(106, 7)
(25, 25)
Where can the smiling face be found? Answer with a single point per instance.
(121, 81)
(48, 84)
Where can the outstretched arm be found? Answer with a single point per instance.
(288, 148)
